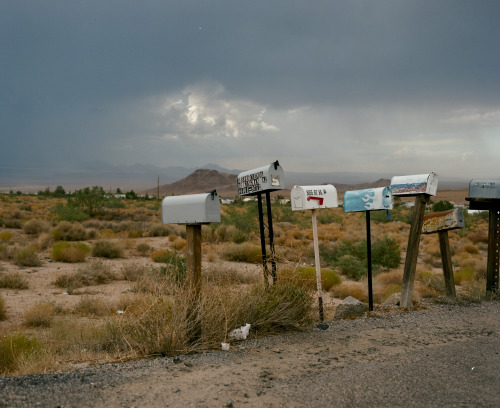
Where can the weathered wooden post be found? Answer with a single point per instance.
(485, 195)
(368, 200)
(422, 187)
(313, 198)
(193, 211)
(441, 223)
(263, 180)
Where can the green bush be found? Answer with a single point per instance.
(176, 265)
(67, 231)
(70, 252)
(305, 277)
(107, 249)
(15, 347)
(69, 213)
(442, 206)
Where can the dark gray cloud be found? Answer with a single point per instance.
(321, 84)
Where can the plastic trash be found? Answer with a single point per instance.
(225, 346)
(240, 333)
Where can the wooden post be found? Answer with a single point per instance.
(417, 220)
(492, 270)
(444, 246)
(193, 264)
(318, 265)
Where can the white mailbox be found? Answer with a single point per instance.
(368, 200)
(415, 184)
(260, 180)
(191, 209)
(313, 197)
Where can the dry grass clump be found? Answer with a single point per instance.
(14, 349)
(160, 230)
(431, 284)
(92, 307)
(245, 252)
(71, 252)
(179, 243)
(220, 276)
(393, 277)
(35, 227)
(67, 231)
(134, 272)
(107, 249)
(305, 277)
(3, 310)
(143, 248)
(478, 237)
(463, 275)
(357, 290)
(95, 273)
(13, 281)
(5, 236)
(39, 315)
(27, 256)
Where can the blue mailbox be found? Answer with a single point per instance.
(368, 200)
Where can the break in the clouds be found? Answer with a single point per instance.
(385, 87)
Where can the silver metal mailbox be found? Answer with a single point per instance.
(415, 184)
(313, 197)
(484, 189)
(260, 180)
(443, 221)
(368, 199)
(191, 209)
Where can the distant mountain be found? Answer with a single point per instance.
(200, 181)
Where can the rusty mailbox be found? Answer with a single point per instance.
(441, 223)
(422, 187)
(415, 184)
(259, 181)
(485, 195)
(191, 209)
(313, 197)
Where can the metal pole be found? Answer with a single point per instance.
(263, 240)
(271, 237)
(492, 271)
(318, 266)
(369, 260)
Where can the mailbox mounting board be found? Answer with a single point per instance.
(313, 197)
(415, 185)
(190, 209)
(260, 180)
(368, 200)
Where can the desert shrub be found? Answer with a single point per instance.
(471, 249)
(13, 281)
(431, 284)
(135, 233)
(390, 278)
(39, 315)
(91, 306)
(179, 243)
(14, 348)
(5, 236)
(478, 237)
(35, 227)
(133, 272)
(442, 206)
(13, 223)
(68, 212)
(355, 289)
(277, 307)
(67, 231)
(465, 274)
(175, 264)
(305, 277)
(44, 241)
(351, 257)
(244, 217)
(329, 216)
(27, 257)
(3, 310)
(143, 248)
(95, 273)
(107, 249)
(245, 252)
(71, 252)
(160, 230)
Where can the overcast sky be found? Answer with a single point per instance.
(395, 87)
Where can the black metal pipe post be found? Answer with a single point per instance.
(369, 260)
(492, 271)
(263, 240)
(271, 237)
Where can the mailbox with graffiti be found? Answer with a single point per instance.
(313, 197)
(261, 180)
(415, 185)
(368, 199)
